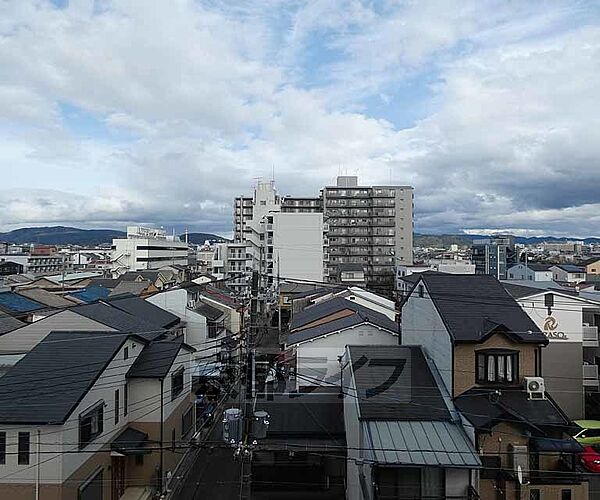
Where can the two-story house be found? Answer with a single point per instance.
(91, 415)
(489, 350)
(319, 335)
(405, 439)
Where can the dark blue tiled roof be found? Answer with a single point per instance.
(12, 302)
(91, 293)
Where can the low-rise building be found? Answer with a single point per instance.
(405, 438)
(318, 336)
(568, 273)
(147, 248)
(530, 272)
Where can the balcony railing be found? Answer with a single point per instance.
(590, 336)
(590, 375)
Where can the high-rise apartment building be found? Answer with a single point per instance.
(370, 226)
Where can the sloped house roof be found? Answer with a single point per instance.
(473, 307)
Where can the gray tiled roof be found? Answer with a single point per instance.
(129, 288)
(8, 323)
(119, 320)
(209, 312)
(395, 383)
(44, 297)
(143, 309)
(473, 306)
(336, 304)
(355, 319)
(48, 383)
(510, 405)
(156, 359)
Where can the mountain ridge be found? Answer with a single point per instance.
(65, 235)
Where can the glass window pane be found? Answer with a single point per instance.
(501, 374)
(509, 368)
(491, 375)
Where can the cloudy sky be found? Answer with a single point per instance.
(162, 111)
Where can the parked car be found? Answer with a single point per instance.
(588, 433)
(590, 458)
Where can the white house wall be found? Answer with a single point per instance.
(176, 302)
(422, 325)
(103, 389)
(144, 393)
(319, 358)
(50, 454)
(23, 339)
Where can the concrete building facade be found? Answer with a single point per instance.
(147, 248)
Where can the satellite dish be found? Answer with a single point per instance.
(520, 474)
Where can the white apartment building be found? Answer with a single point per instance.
(147, 248)
(275, 243)
(297, 246)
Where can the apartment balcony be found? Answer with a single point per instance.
(590, 336)
(590, 375)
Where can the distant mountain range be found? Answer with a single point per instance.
(445, 240)
(61, 235)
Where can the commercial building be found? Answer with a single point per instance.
(493, 255)
(146, 248)
(272, 237)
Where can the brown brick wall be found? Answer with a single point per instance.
(464, 360)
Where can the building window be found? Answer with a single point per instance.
(2, 448)
(497, 367)
(565, 495)
(116, 406)
(126, 353)
(125, 399)
(176, 383)
(421, 291)
(534, 494)
(139, 460)
(91, 424)
(23, 450)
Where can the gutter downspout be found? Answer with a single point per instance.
(161, 469)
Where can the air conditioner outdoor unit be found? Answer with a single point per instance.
(535, 387)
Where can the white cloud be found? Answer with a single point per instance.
(184, 103)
